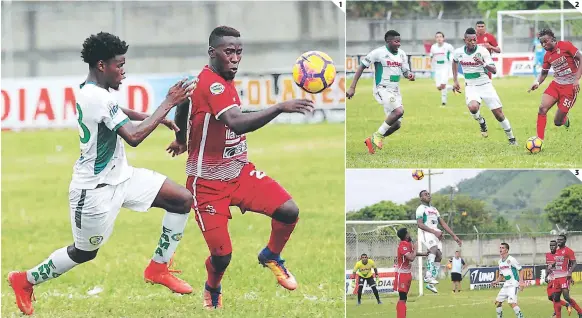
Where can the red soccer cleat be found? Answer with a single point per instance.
(159, 273)
(23, 291)
(212, 300)
(369, 145)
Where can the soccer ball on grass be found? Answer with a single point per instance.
(534, 145)
(314, 71)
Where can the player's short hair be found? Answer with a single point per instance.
(102, 47)
(546, 32)
(506, 245)
(553, 241)
(480, 22)
(470, 31)
(439, 32)
(563, 235)
(220, 32)
(390, 34)
(363, 255)
(402, 233)
(421, 192)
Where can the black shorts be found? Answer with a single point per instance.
(456, 277)
(370, 281)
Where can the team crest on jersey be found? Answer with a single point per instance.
(113, 108)
(558, 50)
(177, 237)
(95, 240)
(485, 39)
(216, 88)
(404, 248)
(210, 210)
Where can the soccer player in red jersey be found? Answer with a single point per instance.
(487, 40)
(564, 58)
(550, 277)
(219, 173)
(565, 262)
(406, 255)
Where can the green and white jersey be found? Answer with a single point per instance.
(509, 269)
(103, 157)
(441, 56)
(429, 215)
(388, 66)
(474, 73)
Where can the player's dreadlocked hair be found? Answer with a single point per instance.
(470, 31)
(402, 233)
(546, 32)
(102, 47)
(390, 34)
(221, 31)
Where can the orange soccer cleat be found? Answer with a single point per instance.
(23, 290)
(276, 265)
(159, 273)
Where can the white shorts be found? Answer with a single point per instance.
(441, 77)
(507, 293)
(389, 98)
(485, 92)
(429, 240)
(93, 211)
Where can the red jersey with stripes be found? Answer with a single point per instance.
(563, 257)
(487, 38)
(550, 261)
(561, 59)
(403, 265)
(215, 152)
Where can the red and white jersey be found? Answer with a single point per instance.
(487, 38)
(403, 265)
(561, 59)
(563, 257)
(215, 152)
(550, 261)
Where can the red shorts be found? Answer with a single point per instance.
(564, 94)
(402, 282)
(252, 190)
(561, 283)
(551, 290)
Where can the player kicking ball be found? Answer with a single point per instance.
(476, 61)
(390, 63)
(441, 54)
(564, 58)
(363, 270)
(103, 182)
(219, 172)
(510, 270)
(565, 262)
(428, 219)
(405, 256)
(550, 262)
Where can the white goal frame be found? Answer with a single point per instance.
(519, 14)
(418, 243)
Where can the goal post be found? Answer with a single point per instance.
(379, 241)
(514, 30)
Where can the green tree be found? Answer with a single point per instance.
(383, 210)
(566, 209)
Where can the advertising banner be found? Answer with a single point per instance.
(385, 282)
(481, 277)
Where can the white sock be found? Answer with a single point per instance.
(507, 127)
(449, 87)
(54, 266)
(383, 128)
(499, 312)
(173, 226)
(444, 95)
(430, 265)
(517, 312)
(477, 116)
(437, 269)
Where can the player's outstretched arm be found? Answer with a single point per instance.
(242, 123)
(352, 90)
(134, 135)
(448, 229)
(139, 116)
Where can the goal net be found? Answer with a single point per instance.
(378, 240)
(517, 29)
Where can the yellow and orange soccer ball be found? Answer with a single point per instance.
(534, 144)
(314, 71)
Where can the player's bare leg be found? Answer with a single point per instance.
(177, 201)
(283, 223)
(547, 103)
(474, 107)
(504, 122)
(377, 139)
(561, 119)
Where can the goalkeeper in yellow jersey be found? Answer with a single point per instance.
(363, 271)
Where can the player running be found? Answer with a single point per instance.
(390, 63)
(406, 255)
(511, 272)
(219, 173)
(486, 40)
(565, 262)
(441, 54)
(475, 61)
(538, 57)
(428, 219)
(564, 58)
(550, 261)
(363, 270)
(103, 182)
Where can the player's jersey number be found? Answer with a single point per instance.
(568, 103)
(86, 134)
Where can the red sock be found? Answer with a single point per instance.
(564, 303)
(401, 309)
(214, 278)
(280, 233)
(558, 309)
(575, 305)
(541, 125)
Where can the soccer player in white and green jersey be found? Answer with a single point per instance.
(428, 219)
(390, 63)
(475, 62)
(510, 270)
(441, 55)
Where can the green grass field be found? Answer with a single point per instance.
(448, 137)
(307, 159)
(532, 300)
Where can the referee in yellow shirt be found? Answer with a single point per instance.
(363, 270)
